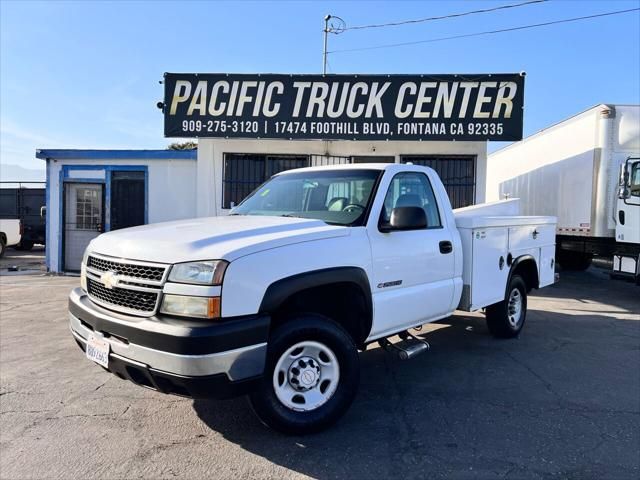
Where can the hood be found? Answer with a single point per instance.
(212, 238)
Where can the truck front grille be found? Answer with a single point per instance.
(137, 270)
(127, 286)
(123, 298)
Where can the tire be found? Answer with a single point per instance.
(574, 261)
(25, 245)
(311, 376)
(3, 246)
(506, 319)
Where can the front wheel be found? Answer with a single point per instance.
(311, 377)
(505, 319)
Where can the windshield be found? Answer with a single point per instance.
(339, 197)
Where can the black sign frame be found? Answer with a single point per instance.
(476, 107)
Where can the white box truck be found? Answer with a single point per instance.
(586, 171)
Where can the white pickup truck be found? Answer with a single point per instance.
(276, 299)
(10, 233)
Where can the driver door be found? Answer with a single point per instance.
(413, 271)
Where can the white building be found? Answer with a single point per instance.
(92, 191)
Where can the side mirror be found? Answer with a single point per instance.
(43, 212)
(624, 193)
(406, 218)
(622, 171)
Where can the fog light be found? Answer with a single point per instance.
(186, 306)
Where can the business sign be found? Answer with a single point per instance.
(347, 107)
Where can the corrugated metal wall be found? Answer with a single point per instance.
(243, 173)
(325, 160)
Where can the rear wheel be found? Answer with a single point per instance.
(311, 377)
(576, 261)
(3, 246)
(506, 319)
(25, 245)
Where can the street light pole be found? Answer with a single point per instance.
(324, 50)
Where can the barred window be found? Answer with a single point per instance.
(87, 209)
(457, 172)
(244, 172)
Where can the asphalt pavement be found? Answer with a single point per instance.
(561, 401)
(21, 261)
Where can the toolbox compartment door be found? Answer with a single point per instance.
(489, 266)
(531, 236)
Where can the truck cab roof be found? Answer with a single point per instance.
(396, 167)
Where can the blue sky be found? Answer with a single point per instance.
(85, 74)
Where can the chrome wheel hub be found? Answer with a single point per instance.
(514, 307)
(306, 376)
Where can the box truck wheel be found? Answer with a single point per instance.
(505, 319)
(26, 245)
(576, 261)
(311, 376)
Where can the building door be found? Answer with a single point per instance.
(457, 172)
(83, 220)
(127, 199)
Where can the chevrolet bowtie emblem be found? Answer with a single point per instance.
(109, 279)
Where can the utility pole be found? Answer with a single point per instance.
(324, 50)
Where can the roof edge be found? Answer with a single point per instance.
(74, 154)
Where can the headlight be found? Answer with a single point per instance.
(83, 270)
(186, 306)
(199, 273)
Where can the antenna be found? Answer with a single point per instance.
(335, 25)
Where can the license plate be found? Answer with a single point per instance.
(98, 351)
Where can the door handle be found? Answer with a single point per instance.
(445, 247)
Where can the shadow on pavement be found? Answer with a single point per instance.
(595, 285)
(547, 403)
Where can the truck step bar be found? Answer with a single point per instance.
(409, 347)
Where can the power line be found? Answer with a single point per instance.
(454, 15)
(490, 32)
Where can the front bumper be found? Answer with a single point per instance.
(193, 358)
